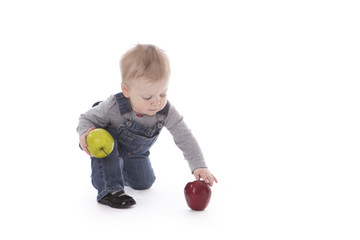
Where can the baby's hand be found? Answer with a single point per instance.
(205, 174)
(83, 143)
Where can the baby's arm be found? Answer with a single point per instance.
(97, 117)
(187, 143)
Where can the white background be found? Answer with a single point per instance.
(269, 88)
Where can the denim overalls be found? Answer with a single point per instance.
(129, 163)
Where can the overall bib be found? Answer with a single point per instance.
(129, 163)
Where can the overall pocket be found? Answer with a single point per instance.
(135, 143)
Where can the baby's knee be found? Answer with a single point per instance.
(144, 185)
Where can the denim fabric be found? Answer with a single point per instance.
(129, 163)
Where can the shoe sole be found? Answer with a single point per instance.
(108, 203)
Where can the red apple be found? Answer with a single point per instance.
(197, 195)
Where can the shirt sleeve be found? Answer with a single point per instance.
(97, 116)
(184, 139)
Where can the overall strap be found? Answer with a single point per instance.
(123, 103)
(165, 110)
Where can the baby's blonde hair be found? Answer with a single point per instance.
(144, 61)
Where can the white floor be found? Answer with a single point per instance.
(261, 200)
(269, 88)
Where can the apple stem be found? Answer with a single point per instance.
(105, 152)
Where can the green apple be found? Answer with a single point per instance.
(100, 143)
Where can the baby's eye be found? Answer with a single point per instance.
(163, 95)
(147, 98)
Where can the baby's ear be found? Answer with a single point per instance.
(125, 90)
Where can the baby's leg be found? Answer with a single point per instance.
(138, 172)
(107, 174)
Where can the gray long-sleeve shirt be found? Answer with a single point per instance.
(107, 114)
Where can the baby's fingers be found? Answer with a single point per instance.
(83, 143)
(88, 153)
(84, 148)
(88, 131)
(209, 178)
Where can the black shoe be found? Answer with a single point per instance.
(118, 200)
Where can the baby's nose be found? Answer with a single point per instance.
(156, 102)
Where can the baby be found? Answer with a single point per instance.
(135, 118)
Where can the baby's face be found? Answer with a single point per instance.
(147, 97)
